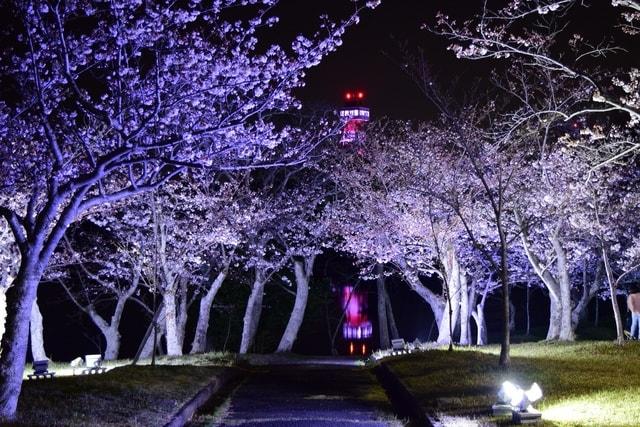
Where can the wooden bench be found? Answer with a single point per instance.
(40, 370)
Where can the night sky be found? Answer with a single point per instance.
(368, 59)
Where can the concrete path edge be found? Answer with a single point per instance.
(188, 410)
(404, 402)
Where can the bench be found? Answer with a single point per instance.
(93, 364)
(398, 346)
(40, 370)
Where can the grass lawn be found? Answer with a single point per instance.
(127, 395)
(586, 383)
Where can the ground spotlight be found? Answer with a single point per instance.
(518, 402)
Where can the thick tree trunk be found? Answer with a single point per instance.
(36, 333)
(202, 328)
(452, 286)
(252, 312)
(182, 313)
(555, 314)
(382, 309)
(20, 298)
(303, 270)
(566, 327)
(112, 338)
(174, 348)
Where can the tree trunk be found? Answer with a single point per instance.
(566, 326)
(613, 289)
(505, 346)
(465, 313)
(452, 305)
(527, 311)
(512, 317)
(36, 333)
(435, 302)
(3, 311)
(382, 309)
(303, 270)
(449, 320)
(252, 312)
(392, 319)
(202, 328)
(171, 321)
(481, 324)
(148, 347)
(19, 298)
(589, 290)
(182, 312)
(112, 338)
(553, 333)
(596, 317)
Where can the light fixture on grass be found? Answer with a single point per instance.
(517, 402)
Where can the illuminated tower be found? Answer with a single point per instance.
(356, 328)
(354, 116)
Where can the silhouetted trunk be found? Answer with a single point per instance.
(527, 310)
(202, 328)
(512, 317)
(382, 309)
(303, 269)
(36, 332)
(390, 316)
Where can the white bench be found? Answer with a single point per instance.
(398, 346)
(92, 364)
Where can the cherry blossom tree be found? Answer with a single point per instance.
(538, 35)
(100, 275)
(116, 99)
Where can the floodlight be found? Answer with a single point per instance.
(516, 401)
(534, 393)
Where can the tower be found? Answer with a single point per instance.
(354, 115)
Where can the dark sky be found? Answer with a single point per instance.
(363, 62)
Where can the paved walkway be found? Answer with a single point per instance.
(308, 396)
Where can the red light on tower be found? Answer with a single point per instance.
(354, 115)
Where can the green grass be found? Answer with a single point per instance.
(127, 395)
(584, 383)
